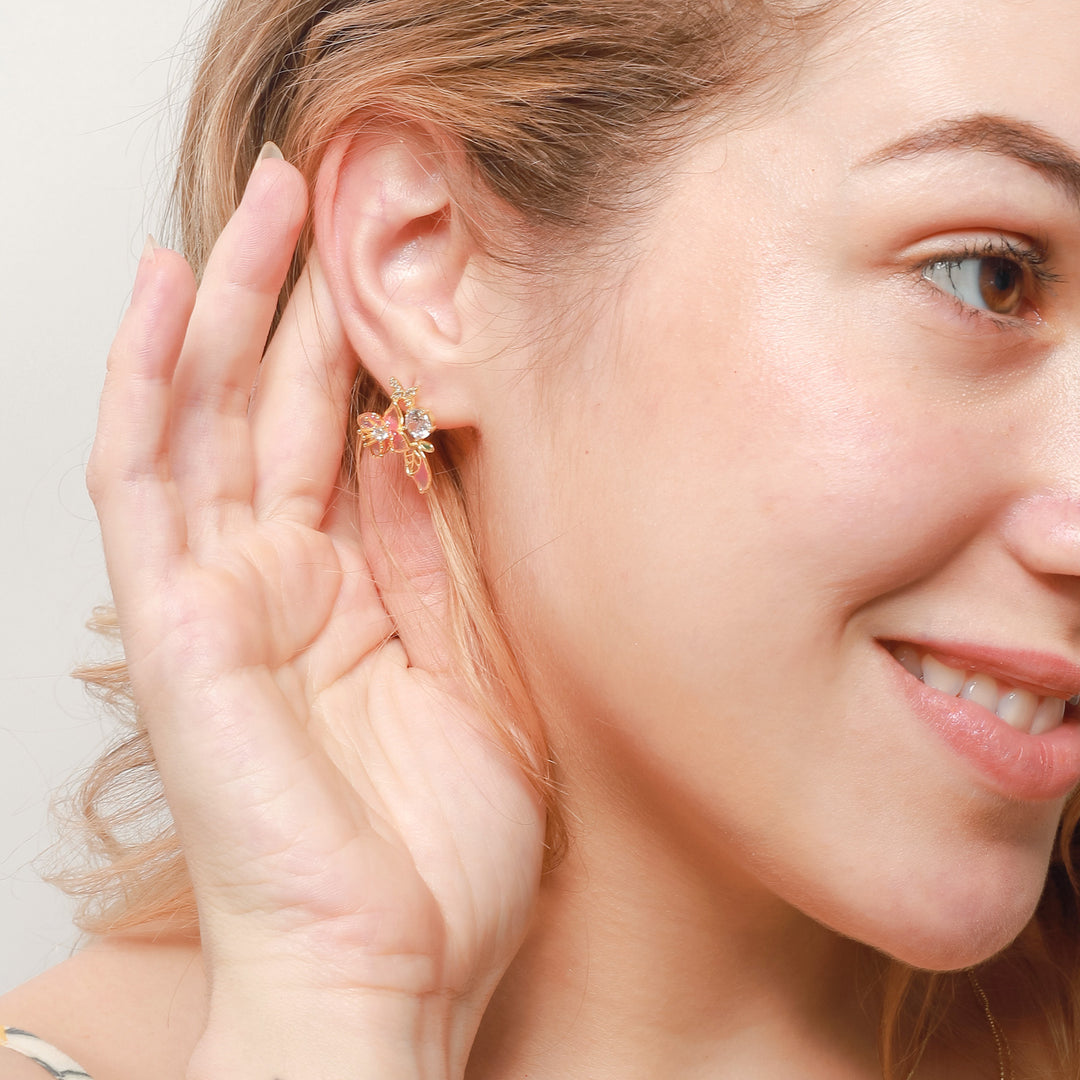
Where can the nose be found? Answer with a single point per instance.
(1042, 530)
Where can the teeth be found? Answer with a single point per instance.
(946, 679)
(910, 659)
(1020, 709)
(1017, 709)
(1048, 715)
(982, 690)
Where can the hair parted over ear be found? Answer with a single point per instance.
(397, 258)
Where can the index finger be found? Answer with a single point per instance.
(226, 337)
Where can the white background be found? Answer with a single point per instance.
(89, 98)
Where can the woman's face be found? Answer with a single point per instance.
(832, 408)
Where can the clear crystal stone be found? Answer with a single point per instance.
(418, 424)
(380, 434)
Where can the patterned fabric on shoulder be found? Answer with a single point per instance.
(57, 1064)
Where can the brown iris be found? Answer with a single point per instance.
(1001, 285)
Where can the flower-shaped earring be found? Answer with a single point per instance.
(403, 429)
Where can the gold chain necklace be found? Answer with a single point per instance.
(1001, 1044)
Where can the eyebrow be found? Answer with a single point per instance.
(1001, 135)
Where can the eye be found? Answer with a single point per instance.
(995, 283)
(1001, 278)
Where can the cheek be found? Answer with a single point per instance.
(694, 590)
(730, 490)
(778, 487)
(730, 497)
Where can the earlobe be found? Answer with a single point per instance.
(395, 257)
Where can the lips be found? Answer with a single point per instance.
(1023, 709)
(1032, 752)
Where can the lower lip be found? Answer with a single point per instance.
(1033, 768)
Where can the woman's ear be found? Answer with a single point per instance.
(396, 258)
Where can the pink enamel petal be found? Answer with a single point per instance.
(422, 476)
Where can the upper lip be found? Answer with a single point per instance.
(1042, 673)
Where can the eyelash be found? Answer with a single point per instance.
(1032, 258)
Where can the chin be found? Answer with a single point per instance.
(958, 927)
(944, 952)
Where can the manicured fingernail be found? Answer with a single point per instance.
(269, 152)
(146, 262)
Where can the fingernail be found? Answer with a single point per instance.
(146, 261)
(269, 152)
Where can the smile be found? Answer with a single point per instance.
(1006, 713)
(1021, 709)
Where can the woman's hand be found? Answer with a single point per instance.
(364, 854)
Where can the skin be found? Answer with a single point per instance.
(768, 446)
(858, 459)
(813, 449)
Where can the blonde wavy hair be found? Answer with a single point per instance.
(564, 112)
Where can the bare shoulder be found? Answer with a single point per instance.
(17, 1067)
(123, 1008)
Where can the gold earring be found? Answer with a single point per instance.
(403, 429)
